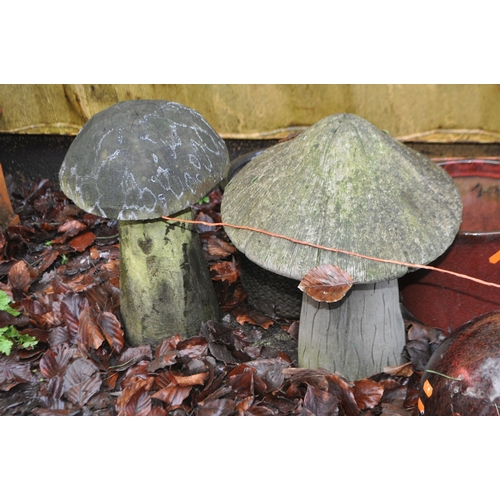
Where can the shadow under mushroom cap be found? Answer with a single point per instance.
(143, 159)
(344, 184)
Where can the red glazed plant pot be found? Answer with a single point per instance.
(445, 301)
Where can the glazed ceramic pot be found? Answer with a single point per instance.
(445, 301)
(463, 375)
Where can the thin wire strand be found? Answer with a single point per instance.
(321, 247)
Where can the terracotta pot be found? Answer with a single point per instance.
(444, 301)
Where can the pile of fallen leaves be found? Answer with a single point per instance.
(60, 268)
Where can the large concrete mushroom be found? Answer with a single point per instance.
(136, 161)
(345, 184)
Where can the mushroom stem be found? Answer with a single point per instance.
(165, 285)
(358, 336)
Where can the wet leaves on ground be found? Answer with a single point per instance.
(61, 268)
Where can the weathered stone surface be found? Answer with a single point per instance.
(357, 336)
(343, 184)
(165, 286)
(137, 161)
(140, 160)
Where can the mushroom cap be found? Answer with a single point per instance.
(142, 159)
(342, 184)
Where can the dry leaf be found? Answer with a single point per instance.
(55, 360)
(81, 381)
(112, 330)
(134, 398)
(244, 314)
(326, 283)
(225, 271)
(404, 370)
(367, 393)
(202, 228)
(21, 276)
(173, 395)
(190, 380)
(71, 228)
(321, 403)
(216, 407)
(139, 404)
(82, 241)
(219, 248)
(89, 333)
(12, 372)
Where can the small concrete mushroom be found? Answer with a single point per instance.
(136, 161)
(345, 184)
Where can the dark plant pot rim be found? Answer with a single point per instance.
(472, 167)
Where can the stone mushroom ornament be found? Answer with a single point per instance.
(137, 161)
(345, 184)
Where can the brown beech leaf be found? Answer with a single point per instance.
(241, 381)
(47, 258)
(12, 372)
(139, 404)
(89, 333)
(53, 393)
(260, 411)
(270, 371)
(404, 370)
(292, 330)
(221, 353)
(168, 359)
(339, 386)
(55, 360)
(167, 345)
(320, 402)
(190, 380)
(234, 295)
(71, 307)
(81, 381)
(59, 335)
(367, 393)
(112, 330)
(71, 228)
(33, 307)
(244, 314)
(417, 331)
(219, 248)
(194, 347)
(20, 276)
(82, 241)
(326, 283)
(94, 253)
(173, 395)
(216, 407)
(244, 405)
(157, 411)
(225, 271)
(202, 228)
(7, 319)
(132, 356)
(129, 388)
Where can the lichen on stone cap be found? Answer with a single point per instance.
(343, 184)
(142, 159)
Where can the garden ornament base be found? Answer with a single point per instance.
(344, 184)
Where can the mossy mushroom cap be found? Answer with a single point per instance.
(343, 184)
(142, 159)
